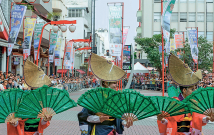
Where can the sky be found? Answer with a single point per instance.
(130, 10)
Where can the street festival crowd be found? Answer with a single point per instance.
(141, 82)
(30, 110)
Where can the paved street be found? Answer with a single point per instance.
(66, 123)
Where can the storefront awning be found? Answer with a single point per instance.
(60, 71)
(80, 71)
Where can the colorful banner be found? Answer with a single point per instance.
(192, 38)
(68, 55)
(127, 57)
(37, 34)
(17, 14)
(53, 42)
(115, 30)
(165, 22)
(28, 33)
(125, 33)
(172, 44)
(179, 43)
(57, 52)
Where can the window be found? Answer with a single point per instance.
(183, 17)
(200, 34)
(200, 0)
(156, 32)
(69, 13)
(191, 17)
(157, 17)
(209, 17)
(210, 36)
(75, 13)
(209, 0)
(157, 0)
(174, 17)
(200, 17)
(182, 1)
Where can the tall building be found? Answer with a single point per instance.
(79, 10)
(186, 13)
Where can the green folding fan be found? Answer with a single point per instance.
(44, 101)
(173, 92)
(95, 99)
(201, 101)
(169, 106)
(129, 103)
(9, 101)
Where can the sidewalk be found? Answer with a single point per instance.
(66, 123)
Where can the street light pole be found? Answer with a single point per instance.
(163, 90)
(52, 23)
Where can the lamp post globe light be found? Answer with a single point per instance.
(75, 44)
(89, 51)
(81, 44)
(86, 44)
(17, 1)
(55, 28)
(72, 28)
(63, 28)
(45, 1)
(31, 1)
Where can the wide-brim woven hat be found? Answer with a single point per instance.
(34, 76)
(181, 73)
(105, 70)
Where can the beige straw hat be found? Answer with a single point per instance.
(105, 70)
(34, 76)
(181, 73)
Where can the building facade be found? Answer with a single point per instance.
(186, 14)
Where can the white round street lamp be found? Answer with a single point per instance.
(55, 28)
(75, 44)
(72, 28)
(17, 1)
(81, 51)
(89, 51)
(81, 44)
(63, 28)
(31, 1)
(86, 44)
(45, 1)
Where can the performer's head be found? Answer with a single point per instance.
(111, 85)
(186, 91)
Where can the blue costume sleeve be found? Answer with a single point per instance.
(119, 126)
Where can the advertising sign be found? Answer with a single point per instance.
(17, 14)
(37, 34)
(127, 57)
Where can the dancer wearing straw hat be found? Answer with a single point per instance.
(183, 124)
(99, 124)
(34, 78)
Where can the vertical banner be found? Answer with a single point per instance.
(28, 33)
(17, 14)
(172, 44)
(165, 22)
(178, 43)
(125, 33)
(68, 55)
(53, 42)
(57, 52)
(115, 30)
(127, 57)
(192, 38)
(37, 34)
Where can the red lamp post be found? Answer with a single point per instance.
(52, 23)
(79, 49)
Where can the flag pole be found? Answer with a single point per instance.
(163, 90)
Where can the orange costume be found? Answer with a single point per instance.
(20, 128)
(182, 124)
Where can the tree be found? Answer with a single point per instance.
(151, 47)
(204, 56)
